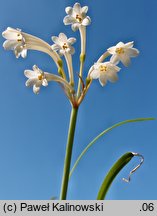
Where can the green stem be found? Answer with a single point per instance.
(82, 59)
(68, 154)
(103, 133)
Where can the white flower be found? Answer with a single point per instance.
(63, 45)
(36, 78)
(20, 42)
(104, 71)
(77, 16)
(15, 41)
(123, 52)
(78, 19)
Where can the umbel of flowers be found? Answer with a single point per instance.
(106, 68)
(20, 42)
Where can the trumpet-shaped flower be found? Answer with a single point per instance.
(77, 16)
(104, 71)
(20, 42)
(123, 52)
(63, 45)
(15, 41)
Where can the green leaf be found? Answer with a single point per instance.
(117, 167)
(53, 198)
(103, 133)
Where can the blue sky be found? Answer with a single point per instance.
(33, 129)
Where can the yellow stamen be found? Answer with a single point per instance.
(120, 50)
(78, 18)
(19, 37)
(40, 77)
(65, 46)
(103, 68)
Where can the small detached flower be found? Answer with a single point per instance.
(36, 78)
(123, 52)
(104, 71)
(15, 41)
(63, 45)
(77, 16)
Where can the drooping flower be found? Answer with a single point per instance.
(77, 16)
(104, 71)
(123, 52)
(64, 47)
(20, 42)
(15, 41)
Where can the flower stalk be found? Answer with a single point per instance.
(68, 154)
(82, 59)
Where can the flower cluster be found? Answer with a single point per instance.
(108, 70)
(20, 42)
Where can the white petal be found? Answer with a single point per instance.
(69, 10)
(44, 82)
(132, 52)
(36, 70)
(77, 8)
(116, 68)
(86, 21)
(71, 50)
(55, 47)
(95, 74)
(68, 50)
(120, 44)
(36, 89)
(71, 40)
(29, 73)
(38, 83)
(55, 40)
(17, 54)
(125, 59)
(114, 59)
(68, 20)
(24, 53)
(10, 34)
(102, 79)
(111, 50)
(9, 44)
(18, 50)
(84, 9)
(112, 77)
(97, 65)
(112, 67)
(62, 37)
(31, 82)
(75, 26)
(129, 44)
(61, 52)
